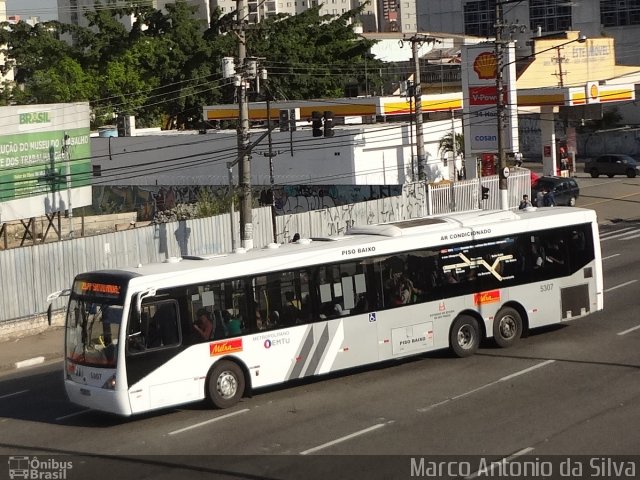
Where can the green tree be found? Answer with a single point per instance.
(64, 82)
(187, 79)
(311, 55)
(169, 66)
(32, 49)
(446, 143)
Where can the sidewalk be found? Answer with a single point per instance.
(29, 350)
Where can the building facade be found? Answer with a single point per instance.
(72, 11)
(594, 18)
(377, 16)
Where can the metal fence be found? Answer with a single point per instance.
(30, 274)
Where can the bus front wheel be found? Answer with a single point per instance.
(464, 338)
(226, 384)
(507, 327)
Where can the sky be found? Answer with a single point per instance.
(45, 9)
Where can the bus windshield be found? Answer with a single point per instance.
(92, 332)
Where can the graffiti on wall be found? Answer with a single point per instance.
(289, 199)
(409, 203)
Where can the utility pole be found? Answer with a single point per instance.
(270, 154)
(246, 221)
(415, 45)
(560, 59)
(411, 95)
(416, 42)
(503, 170)
(67, 160)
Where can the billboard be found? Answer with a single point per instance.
(45, 159)
(479, 73)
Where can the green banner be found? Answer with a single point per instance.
(37, 163)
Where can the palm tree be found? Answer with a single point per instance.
(446, 144)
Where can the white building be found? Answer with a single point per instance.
(378, 154)
(379, 15)
(72, 11)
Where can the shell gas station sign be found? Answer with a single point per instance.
(479, 76)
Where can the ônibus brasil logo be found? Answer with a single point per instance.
(38, 469)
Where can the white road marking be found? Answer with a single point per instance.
(527, 370)
(13, 394)
(618, 234)
(637, 235)
(30, 362)
(497, 463)
(343, 439)
(490, 384)
(613, 232)
(620, 286)
(74, 414)
(624, 332)
(223, 417)
(611, 256)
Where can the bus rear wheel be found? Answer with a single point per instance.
(226, 384)
(507, 327)
(464, 338)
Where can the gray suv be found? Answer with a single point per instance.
(612, 164)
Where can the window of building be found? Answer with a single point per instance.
(479, 18)
(616, 13)
(551, 15)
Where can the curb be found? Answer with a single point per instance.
(29, 362)
(13, 366)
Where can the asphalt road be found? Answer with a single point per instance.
(570, 391)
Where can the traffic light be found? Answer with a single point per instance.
(485, 193)
(316, 123)
(284, 120)
(121, 126)
(328, 124)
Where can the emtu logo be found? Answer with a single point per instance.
(486, 66)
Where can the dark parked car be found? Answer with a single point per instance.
(612, 164)
(565, 190)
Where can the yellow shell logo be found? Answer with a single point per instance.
(593, 91)
(485, 66)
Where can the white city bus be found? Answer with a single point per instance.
(320, 305)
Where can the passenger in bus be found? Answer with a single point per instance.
(219, 326)
(537, 256)
(234, 325)
(261, 324)
(555, 252)
(163, 327)
(291, 313)
(203, 325)
(450, 277)
(274, 320)
(408, 292)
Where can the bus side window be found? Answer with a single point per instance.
(136, 341)
(163, 327)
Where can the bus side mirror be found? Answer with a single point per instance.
(141, 296)
(51, 297)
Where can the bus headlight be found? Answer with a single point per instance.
(110, 384)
